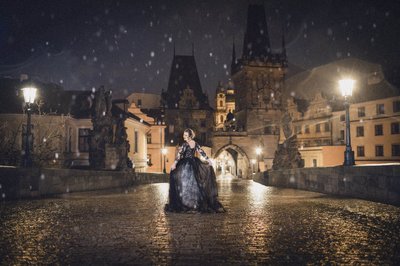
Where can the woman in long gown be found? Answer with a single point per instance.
(193, 185)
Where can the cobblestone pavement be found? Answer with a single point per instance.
(263, 225)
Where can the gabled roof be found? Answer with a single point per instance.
(183, 75)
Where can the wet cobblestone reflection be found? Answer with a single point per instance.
(262, 225)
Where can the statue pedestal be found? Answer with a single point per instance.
(115, 157)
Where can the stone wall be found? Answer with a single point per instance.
(17, 183)
(379, 183)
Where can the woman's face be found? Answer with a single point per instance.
(186, 136)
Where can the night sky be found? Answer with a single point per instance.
(128, 45)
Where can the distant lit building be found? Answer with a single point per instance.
(224, 105)
(316, 107)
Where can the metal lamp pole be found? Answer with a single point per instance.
(164, 152)
(347, 88)
(29, 97)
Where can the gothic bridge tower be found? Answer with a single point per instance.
(258, 78)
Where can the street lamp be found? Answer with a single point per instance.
(29, 97)
(346, 87)
(253, 162)
(258, 152)
(164, 152)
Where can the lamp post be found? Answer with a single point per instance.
(164, 152)
(29, 98)
(253, 162)
(346, 87)
(258, 152)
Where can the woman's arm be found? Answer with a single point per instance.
(202, 153)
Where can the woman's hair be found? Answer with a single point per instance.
(190, 132)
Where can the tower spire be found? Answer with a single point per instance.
(233, 63)
(283, 42)
(256, 38)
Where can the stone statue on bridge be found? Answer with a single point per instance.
(287, 156)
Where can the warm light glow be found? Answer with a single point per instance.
(258, 150)
(29, 94)
(346, 86)
(253, 161)
(164, 151)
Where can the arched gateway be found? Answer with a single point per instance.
(232, 160)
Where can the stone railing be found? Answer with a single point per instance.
(379, 183)
(16, 183)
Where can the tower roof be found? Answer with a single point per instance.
(256, 39)
(184, 75)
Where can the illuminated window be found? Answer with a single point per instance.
(379, 150)
(327, 127)
(378, 130)
(396, 106)
(307, 129)
(380, 109)
(318, 128)
(360, 131)
(221, 103)
(395, 128)
(361, 111)
(360, 151)
(83, 139)
(395, 149)
(148, 137)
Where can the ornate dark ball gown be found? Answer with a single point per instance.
(193, 185)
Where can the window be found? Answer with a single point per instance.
(395, 149)
(379, 150)
(360, 151)
(148, 137)
(360, 131)
(307, 129)
(221, 103)
(396, 106)
(361, 111)
(136, 141)
(298, 130)
(318, 128)
(395, 128)
(221, 119)
(327, 127)
(380, 109)
(342, 118)
(139, 102)
(171, 129)
(314, 162)
(378, 130)
(203, 123)
(341, 135)
(83, 139)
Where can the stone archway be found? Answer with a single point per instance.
(232, 160)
